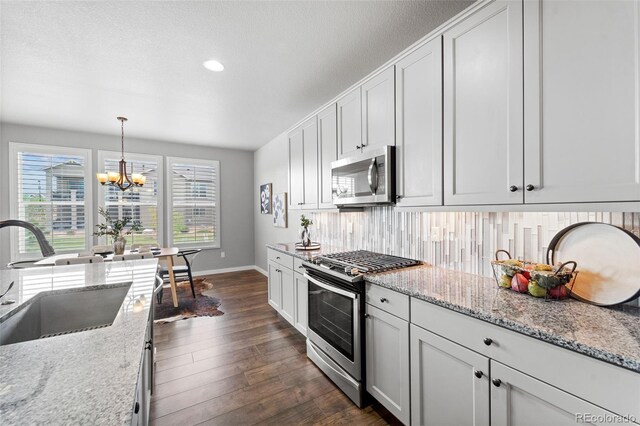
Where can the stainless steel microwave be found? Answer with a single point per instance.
(365, 179)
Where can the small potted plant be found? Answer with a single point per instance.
(116, 229)
(305, 236)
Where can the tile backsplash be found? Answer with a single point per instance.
(464, 241)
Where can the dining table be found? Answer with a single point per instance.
(165, 253)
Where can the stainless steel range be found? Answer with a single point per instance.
(335, 338)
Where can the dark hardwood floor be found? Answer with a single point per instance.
(248, 366)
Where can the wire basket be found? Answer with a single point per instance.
(536, 279)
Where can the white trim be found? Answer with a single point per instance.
(14, 149)
(159, 159)
(225, 270)
(169, 204)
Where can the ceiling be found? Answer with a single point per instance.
(77, 65)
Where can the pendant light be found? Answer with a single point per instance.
(120, 179)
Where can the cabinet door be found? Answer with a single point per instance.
(387, 354)
(483, 142)
(301, 286)
(582, 115)
(378, 110)
(274, 286)
(349, 124)
(445, 389)
(328, 152)
(310, 163)
(296, 169)
(288, 305)
(522, 400)
(419, 126)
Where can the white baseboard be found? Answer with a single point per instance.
(262, 271)
(225, 270)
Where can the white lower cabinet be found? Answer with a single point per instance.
(288, 289)
(288, 306)
(274, 286)
(449, 383)
(387, 361)
(521, 400)
(301, 287)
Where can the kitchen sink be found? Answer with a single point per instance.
(64, 312)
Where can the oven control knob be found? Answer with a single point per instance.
(383, 300)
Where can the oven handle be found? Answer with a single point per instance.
(331, 288)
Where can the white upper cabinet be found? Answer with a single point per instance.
(378, 110)
(303, 166)
(349, 124)
(296, 169)
(328, 152)
(582, 115)
(483, 107)
(310, 144)
(419, 126)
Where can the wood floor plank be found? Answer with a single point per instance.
(248, 366)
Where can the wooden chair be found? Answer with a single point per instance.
(182, 271)
(79, 260)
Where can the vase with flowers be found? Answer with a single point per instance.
(117, 229)
(305, 235)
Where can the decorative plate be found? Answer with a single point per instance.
(608, 260)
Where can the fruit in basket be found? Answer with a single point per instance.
(526, 274)
(548, 279)
(505, 281)
(513, 262)
(543, 267)
(519, 283)
(535, 290)
(558, 292)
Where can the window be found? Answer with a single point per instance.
(141, 204)
(50, 188)
(193, 213)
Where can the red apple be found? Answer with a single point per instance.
(558, 292)
(520, 283)
(526, 274)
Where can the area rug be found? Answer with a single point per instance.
(204, 305)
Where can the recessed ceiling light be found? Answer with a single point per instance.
(213, 65)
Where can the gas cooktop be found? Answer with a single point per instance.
(351, 265)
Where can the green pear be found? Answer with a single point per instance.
(535, 290)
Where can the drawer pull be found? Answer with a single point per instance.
(478, 373)
(366, 315)
(488, 341)
(383, 300)
(300, 267)
(530, 187)
(496, 382)
(277, 257)
(513, 188)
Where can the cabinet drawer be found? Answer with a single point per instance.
(388, 300)
(285, 260)
(618, 389)
(297, 265)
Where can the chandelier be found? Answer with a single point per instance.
(120, 179)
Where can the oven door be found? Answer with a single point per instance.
(334, 323)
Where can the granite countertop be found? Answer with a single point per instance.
(610, 334)
(290, 248)
(88, 377)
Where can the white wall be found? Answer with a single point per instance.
(271, 164)
(237, 202)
